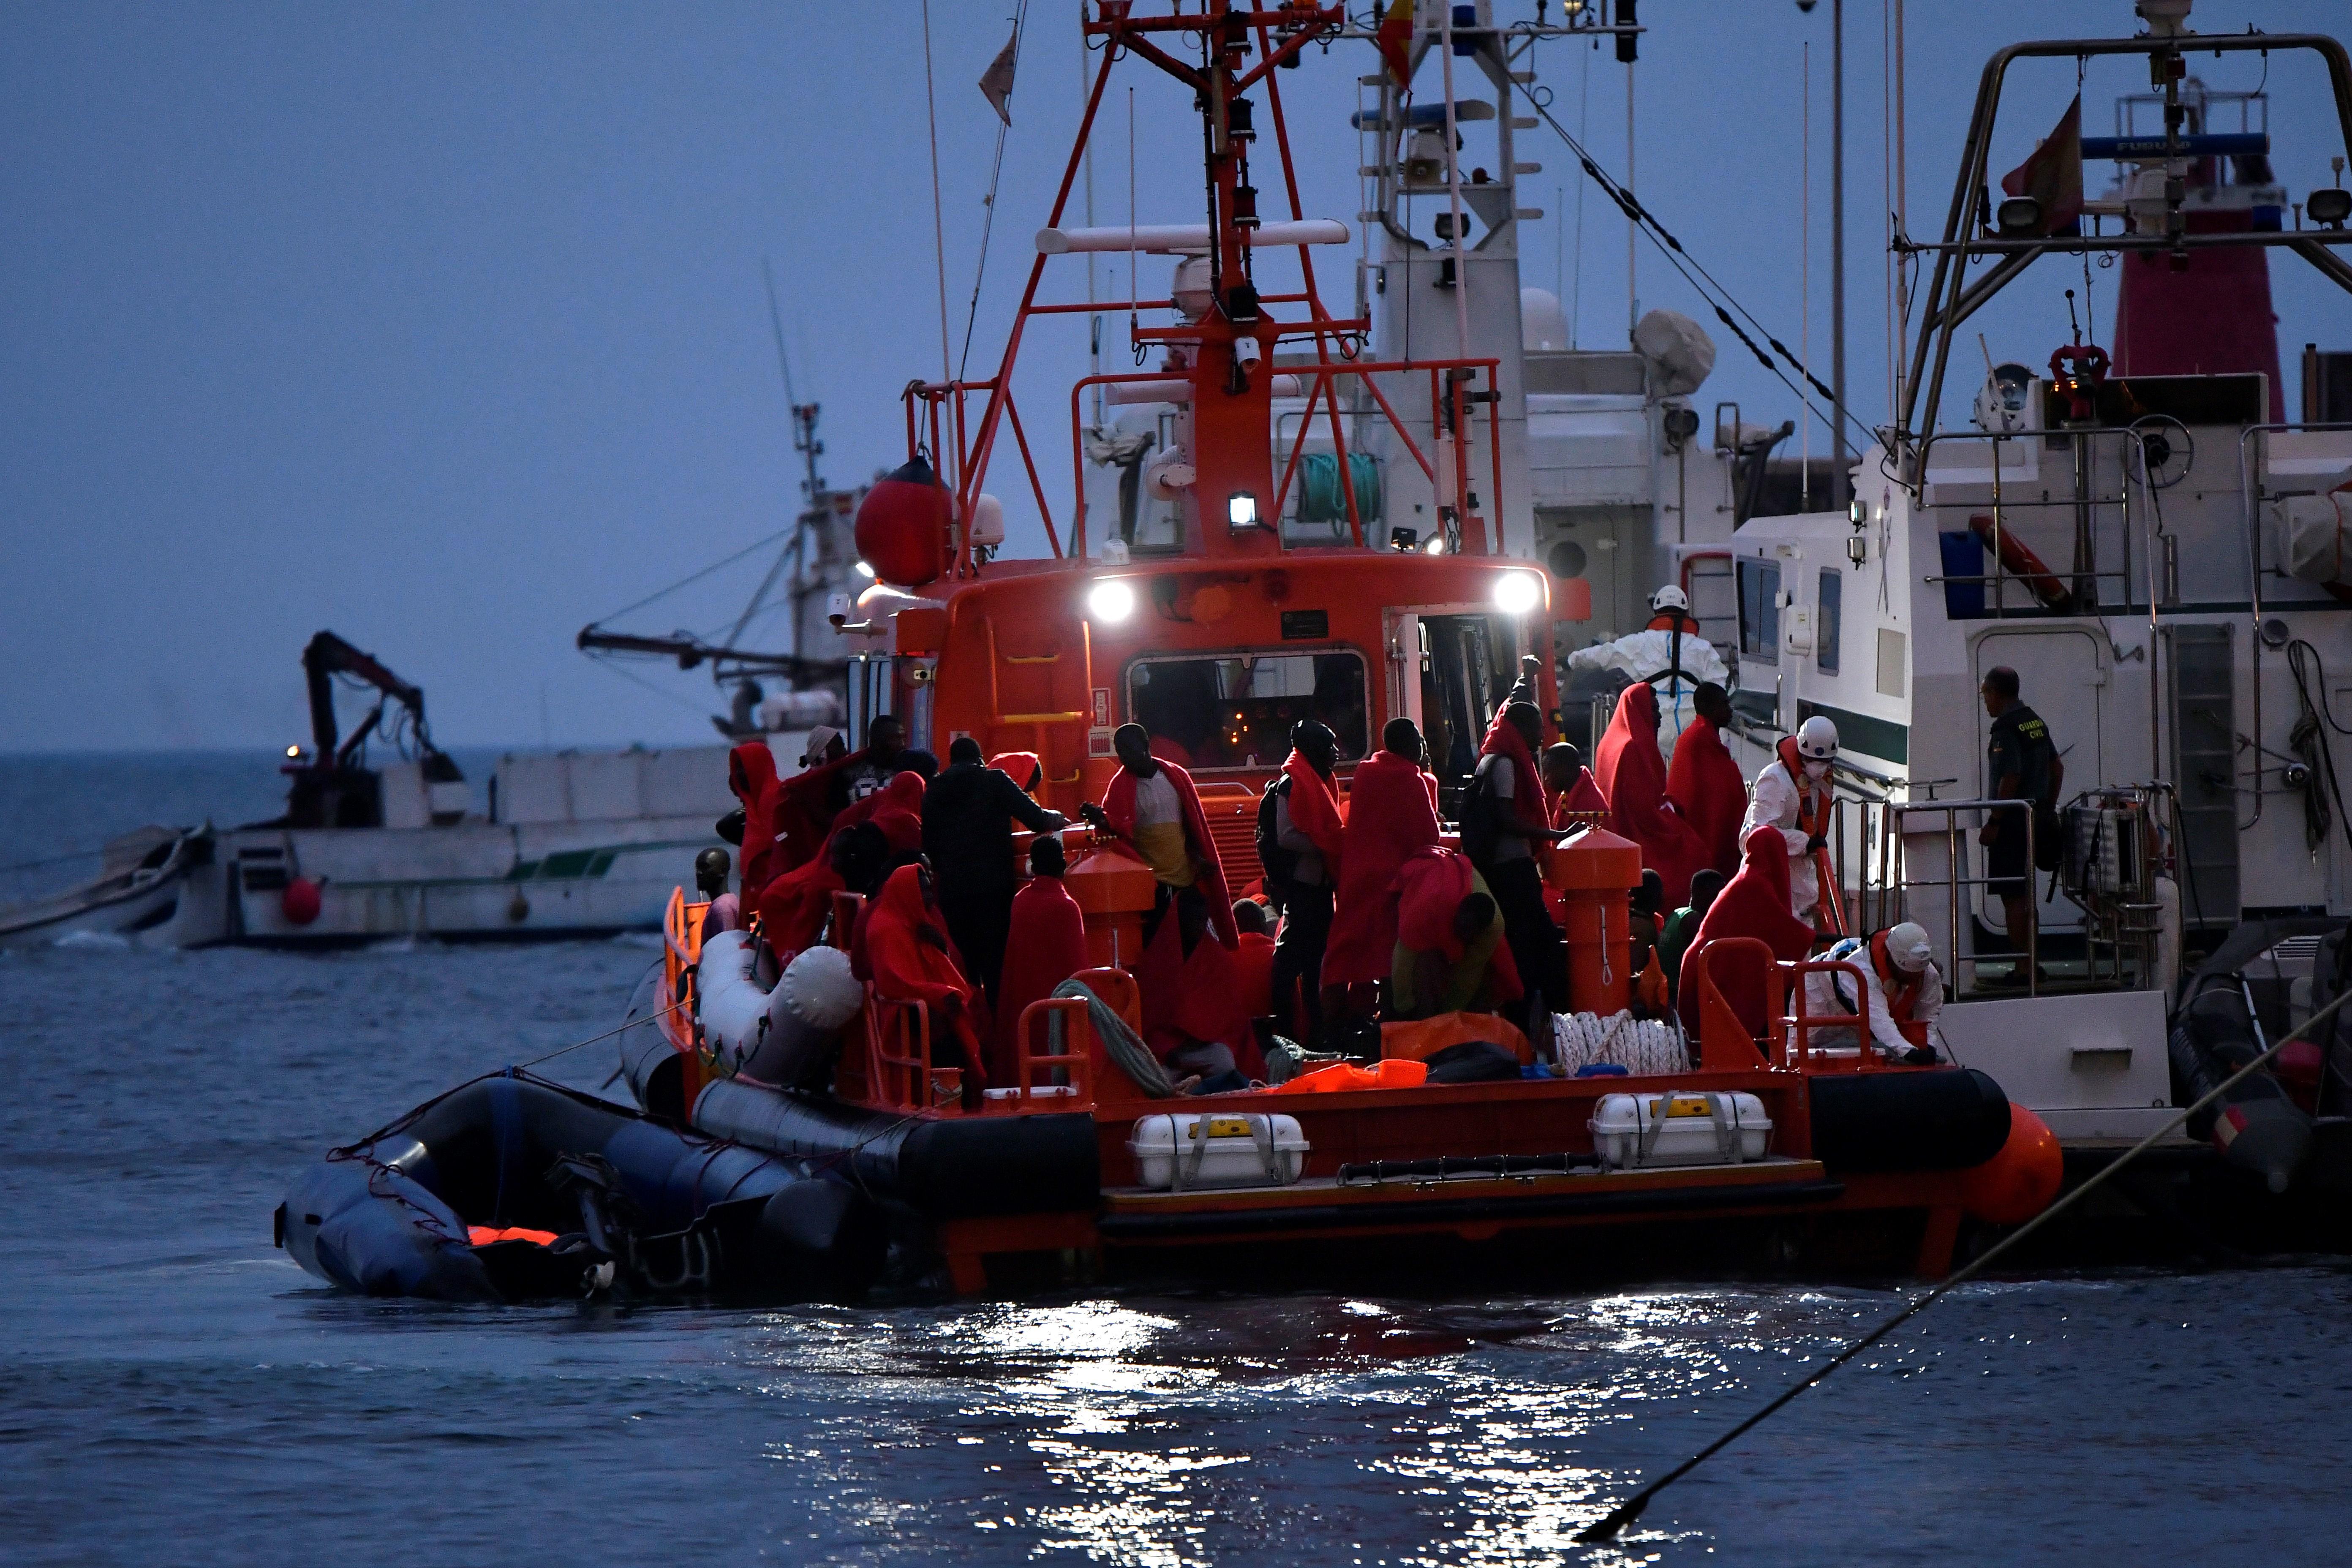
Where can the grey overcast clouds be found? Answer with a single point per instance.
(442, 325)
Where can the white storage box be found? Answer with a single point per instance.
(1640, 1131)
(1195, 1149)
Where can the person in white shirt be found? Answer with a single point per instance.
(1905, 992)
(1792, 793)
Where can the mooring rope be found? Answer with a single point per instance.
(1626, 1512)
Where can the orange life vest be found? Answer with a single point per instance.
(1812, 799)
(486, 1235)
(1673, 620)
(1902, 990)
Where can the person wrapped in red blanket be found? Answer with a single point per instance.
(1633, 774)
(751, 774)
(1575, 794)
(1192, 1014)
(1704, 783)
(1391, 812)
(897, 809)
(910, 960)
(807, 803)
(1303, 870)
(1045, 943)
(1502, 832)
(1449, 955)
(1753, 903)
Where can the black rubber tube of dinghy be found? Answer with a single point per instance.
(949, 1167)
(389, 1216)
(1910, 1120)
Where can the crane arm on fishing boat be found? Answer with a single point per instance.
(690, 651)
(327, 656)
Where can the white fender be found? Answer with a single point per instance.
(816, 997)
(751, 1029)
(734, 1010)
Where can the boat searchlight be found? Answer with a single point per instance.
(1517, 593)
(1111, 600)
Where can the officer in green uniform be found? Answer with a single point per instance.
(2022, 765)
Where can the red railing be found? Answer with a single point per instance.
(1792, 1031)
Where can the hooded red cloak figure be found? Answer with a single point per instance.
(1022, 767)
(1391, 812)
(1045, 943)
(1706, 787)
(907, 952)
(1753, 903)
(1634, 776)
(751, 774)
(897, 809)
(1583, 795)
(1428, 888)
(794, 905)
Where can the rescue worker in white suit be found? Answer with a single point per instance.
(1906, 993)
(1791, 792)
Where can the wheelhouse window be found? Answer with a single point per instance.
(1827, 614)
(1760, 611)
(1235, 710)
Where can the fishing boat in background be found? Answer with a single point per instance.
(570, 844)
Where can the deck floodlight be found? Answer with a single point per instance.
(1111, 601)
(863, 570)
(1436, 545)
(1241, 509)
(1404, 538)
(2330, 206)
(2019, 216)
(1517, 593)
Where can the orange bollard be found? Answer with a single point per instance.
(1114, 891)
(1595, 873)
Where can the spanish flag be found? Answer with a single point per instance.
(1394, 40)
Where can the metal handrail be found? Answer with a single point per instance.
(1898, 810)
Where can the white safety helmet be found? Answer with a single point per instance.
(1817, 739)
(1670, 598)
(1907, 945)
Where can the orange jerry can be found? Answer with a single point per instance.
(1595, 873)
(1114, 891)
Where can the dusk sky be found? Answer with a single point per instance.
(442, 325)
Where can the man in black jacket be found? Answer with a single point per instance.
(968, 815)
(2021, 763)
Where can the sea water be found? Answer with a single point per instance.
(173, 1389)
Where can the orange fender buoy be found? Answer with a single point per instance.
(2021, 1181)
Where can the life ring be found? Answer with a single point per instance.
(2020, 562)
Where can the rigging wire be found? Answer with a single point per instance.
(1681, 261)
(663, 692)
(1624, 1514)
(938, 219)
(756, 545)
